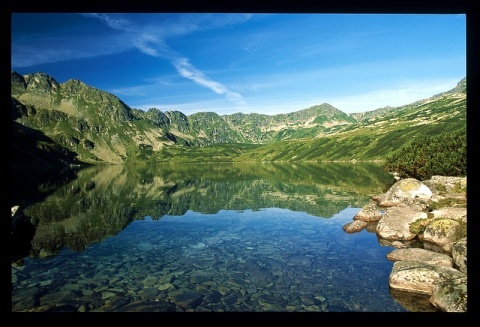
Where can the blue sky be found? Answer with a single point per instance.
(262, 63)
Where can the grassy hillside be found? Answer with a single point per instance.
(73, 123)
(375, 138)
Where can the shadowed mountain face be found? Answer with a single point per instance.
(75, 123)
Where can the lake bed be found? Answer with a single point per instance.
(217, 238)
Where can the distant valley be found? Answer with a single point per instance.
(72, 123)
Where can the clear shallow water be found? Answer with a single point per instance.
(243, 260)
(267, 260)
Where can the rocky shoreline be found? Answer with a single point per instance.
(425, 221)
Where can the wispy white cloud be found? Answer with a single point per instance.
(142, 32)
(150, 45)
(36, 50)
(112, 21)
(186, 70)
(153, 44)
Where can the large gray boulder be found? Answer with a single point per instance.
(354, 226)
(403, 191)
(455, 213)
(370, 212)
(446, 184)
(446, 187)
(459, 254)
(420, 277)
(420, 255)
(395, 223)
(450, 295)
(443, 233)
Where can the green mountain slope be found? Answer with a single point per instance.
(73, 123)
(94, 124)
(308, 122)
(377, 136)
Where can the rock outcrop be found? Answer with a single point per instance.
(426, 224)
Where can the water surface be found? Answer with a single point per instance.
(221, 238)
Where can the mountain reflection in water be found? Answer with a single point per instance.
(208, 237)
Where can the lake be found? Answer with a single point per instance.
(225, 237)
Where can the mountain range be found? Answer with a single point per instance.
(73, 123)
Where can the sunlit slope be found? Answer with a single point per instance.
(306, 123)
(73, 123)
(95, 125)
(373, 138)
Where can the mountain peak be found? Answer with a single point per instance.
(39, 81)
(461, 87)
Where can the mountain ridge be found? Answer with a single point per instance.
(100, 128)
(461, 87)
